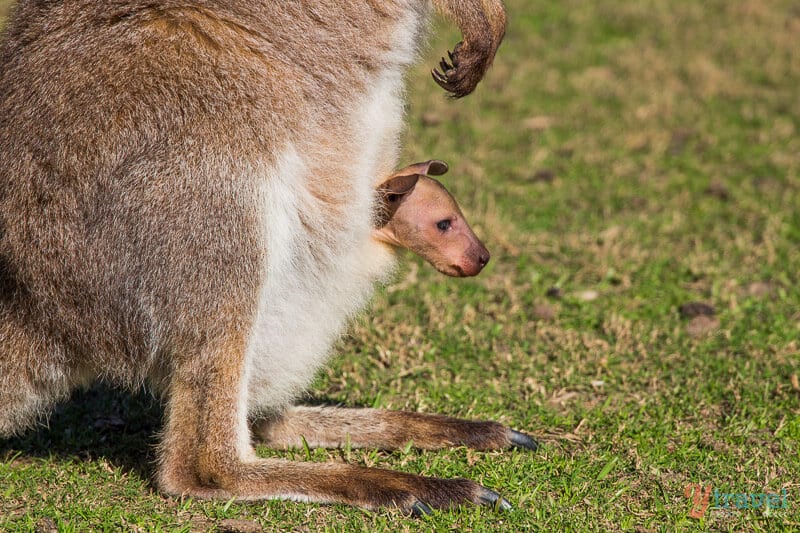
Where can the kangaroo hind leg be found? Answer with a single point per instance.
(206, 452)
(332, 427)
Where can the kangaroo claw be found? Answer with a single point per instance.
(521, 440)
(492, 499)
(420, 509)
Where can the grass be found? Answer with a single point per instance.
(622, 159)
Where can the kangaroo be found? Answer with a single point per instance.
(187, 200)
(418, 213)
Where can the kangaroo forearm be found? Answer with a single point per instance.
(483, 25)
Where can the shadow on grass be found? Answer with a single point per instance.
(98, 422)
(101, 421)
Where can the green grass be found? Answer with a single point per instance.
(636, 155)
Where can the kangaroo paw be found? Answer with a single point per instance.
(423, 495)
(466, 67)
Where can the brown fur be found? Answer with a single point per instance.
(137, 142)
(329, 427)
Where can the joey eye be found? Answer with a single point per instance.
(443, 225)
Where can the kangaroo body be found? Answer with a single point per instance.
(226, 175)
(187, 199)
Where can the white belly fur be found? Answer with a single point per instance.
(306, 300)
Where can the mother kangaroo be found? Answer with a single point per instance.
(187, 200)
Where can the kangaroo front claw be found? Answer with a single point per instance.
(466, 68)
(451, 77)
(441, 80)
(483, 25)
(446, 67)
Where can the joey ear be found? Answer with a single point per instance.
(390, 194)
(434, 167)
(398, 184)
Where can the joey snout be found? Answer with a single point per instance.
(460, 253)
(475, 258)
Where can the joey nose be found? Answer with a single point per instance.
(474, 261)
(483, 258)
